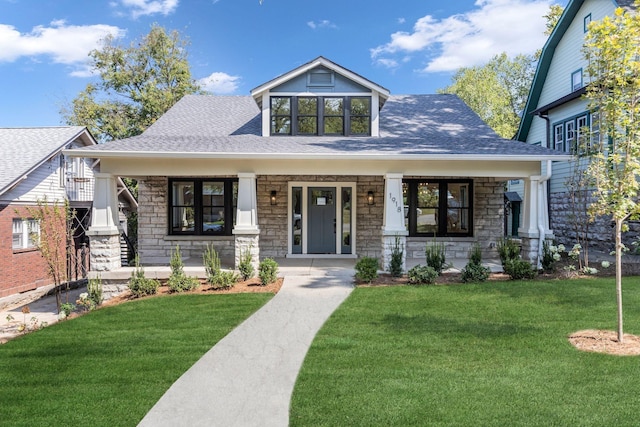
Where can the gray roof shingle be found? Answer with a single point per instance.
(438, 125)
(23, 149)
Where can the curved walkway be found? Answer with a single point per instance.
(248, 377)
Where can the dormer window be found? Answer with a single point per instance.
(321, 115)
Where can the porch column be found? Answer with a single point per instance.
(104, 234)
(246, 231)
(535, 219)
(393, 220)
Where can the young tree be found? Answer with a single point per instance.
(54, 239)
(612, 49)
(137, 85)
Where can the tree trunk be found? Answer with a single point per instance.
(619, 276)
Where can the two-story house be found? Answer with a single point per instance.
(557, 116)
(318, 162)
(34, 170)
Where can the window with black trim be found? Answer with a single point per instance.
(587, 21)
(438, 207)
(321, 115)
(202, 206)
(576, 80)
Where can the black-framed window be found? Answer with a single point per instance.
(436, 207)
(321, 115)
(202, 206)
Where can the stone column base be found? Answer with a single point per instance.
(104, 247)
(247, 243)
(388, 245)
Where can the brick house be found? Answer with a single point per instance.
(318, 162)
(33, 169)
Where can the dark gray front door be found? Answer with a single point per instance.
(322, 220)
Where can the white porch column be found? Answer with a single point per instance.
(535, 219)
(246, 230)
(393, 220)
(104, 234)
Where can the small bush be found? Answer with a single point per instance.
(519, 269)
(475, 273)
(508, 250)
(224, 280)
(367, 269)
(268, 271)
(211, 262)
(422, 275)
(94, 289)
(67, 308)
(178, 280)
(436, 258)
(139, 285)
(246, 265)
(475, 254)
(550, 255)
(395, 264)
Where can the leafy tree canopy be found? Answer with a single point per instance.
(612, 49)
(137, 84)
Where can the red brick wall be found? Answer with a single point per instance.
(20, 270)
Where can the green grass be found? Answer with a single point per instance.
(109, 367)
(494, 354)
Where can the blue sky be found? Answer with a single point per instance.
(407, 46)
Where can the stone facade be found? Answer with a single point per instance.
(105, 251)
(488, 225)
(155, 245)
(568, 222)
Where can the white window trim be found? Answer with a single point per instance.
(305, 186)
(558, 141)
(25, 228)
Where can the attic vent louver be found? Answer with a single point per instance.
(320, 78)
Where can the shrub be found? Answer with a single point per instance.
(435, 253)
(422, 275)
(367, 269)
(67, 308)
(395, 264)
(178, 280)
(224, 280)
(246, 264)
(475, 273)
(550, 255)
(139, 285)
(94, 289)
(268, 271)
(519, 269)
(508, 250)
(211, 262)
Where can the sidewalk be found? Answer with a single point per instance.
(248, 377)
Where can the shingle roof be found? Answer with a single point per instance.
(24, 149)
(410, 125)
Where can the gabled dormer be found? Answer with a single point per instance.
(320, 98)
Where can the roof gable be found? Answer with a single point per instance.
(544, 63)
(22, 150)
(320, 61)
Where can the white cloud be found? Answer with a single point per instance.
(149, 7)
(471, 38)
(321, 24)
(62, 43)
(401, 20)
(219, 83)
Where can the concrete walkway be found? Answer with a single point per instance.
(248, 377)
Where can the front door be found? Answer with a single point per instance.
(322, 220)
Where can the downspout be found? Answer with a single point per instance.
(544, 181)
(541, 229)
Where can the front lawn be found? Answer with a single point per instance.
(109, 367)
(493, 354)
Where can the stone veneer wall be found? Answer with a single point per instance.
(488, 224)
(601, 231)
(154, 243)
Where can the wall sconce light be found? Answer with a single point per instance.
(273, 197)
(370, 199)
